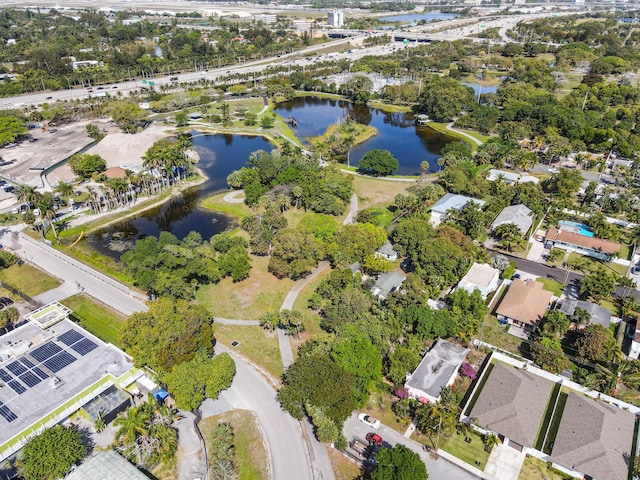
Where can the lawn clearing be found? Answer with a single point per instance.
(535, 469)
(249, 299)
(472, 453)
(250, 456)
(166, 471)
(343, 467)
(379, 406)
(254, 343)
(28, 279)
(97, 318)
(217, 203)
(373, 192)
(551, 285)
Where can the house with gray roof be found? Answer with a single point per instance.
(387, 252)
(519, 215)
(510, 178)
(599, 315)
(450, 201)
(512, 403)
(437, 370)
(594, 438)
(387, 283)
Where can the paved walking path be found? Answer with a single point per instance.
(232, 197)
(464, 134)
(229, 321)
(78, 275)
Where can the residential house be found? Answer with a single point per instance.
(512, 403)
(529, 179)
(440, 209)
(437, 370)
(510, 178)
(599, 315)
(387, 252)
(387, 283)
(574, 242)
(594, 438)
(481, 277)
(519, 215)
(524, 304)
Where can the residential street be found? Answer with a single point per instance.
(440, 469)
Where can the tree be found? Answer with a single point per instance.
(294, 254)
(267, 121)
(10, 128)
(442, 98)
(378, 163)
(510, 236)
(399, 463)
(358, 88)
(547, 353)
(171, 332)
(84, 164)
(49, 455)
(592, 343)
(597, 284)
(555, 322)
(317, 380)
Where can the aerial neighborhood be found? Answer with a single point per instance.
(373, 241)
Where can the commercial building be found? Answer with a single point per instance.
(335, 18)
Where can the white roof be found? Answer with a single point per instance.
(508, 177)
(479, 275)
(451, 200)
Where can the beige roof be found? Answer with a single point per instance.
(594, 438)
(592, 243)
(525, 301)
(512, 403)
(480, 274)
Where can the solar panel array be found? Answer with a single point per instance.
(49, 355)
(6, 413)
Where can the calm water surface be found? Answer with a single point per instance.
(397, 132)
(219, 156)
(416, 17)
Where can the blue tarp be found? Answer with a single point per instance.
(160, 395)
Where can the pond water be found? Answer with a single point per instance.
(397, 132)
(416, 17)
(219, 156)
(481, 89)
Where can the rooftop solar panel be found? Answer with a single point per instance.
(16, 368)
(40, 373)
(29, 379)
(26, 362)
(84, 346)
(70, 337)
(45, 351)
(16, 387)
(59, 361)
(4, 376)
(6, 413)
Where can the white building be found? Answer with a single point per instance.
(335, 18)
(481, 277)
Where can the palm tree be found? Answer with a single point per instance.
(48, 213)
(132, 423)
(64, 189)
(27, 194)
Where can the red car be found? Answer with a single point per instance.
(374, 439)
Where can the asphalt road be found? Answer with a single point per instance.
(439, 469)
(287, 451)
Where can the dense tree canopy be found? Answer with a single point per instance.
(10, 128)
(443, 98)
(378, 163)
(399, 463)
(49, 456)
(171, 332)
(84, 164)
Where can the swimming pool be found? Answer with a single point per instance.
(575, 227)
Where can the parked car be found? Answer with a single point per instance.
(374, 439)
(636, 268)
(49, 98)
(36, 212)
(369, 420)
(53, 130)
(15, 210)
(5, 301)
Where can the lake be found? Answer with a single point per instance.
(219, 156)
(397, 132)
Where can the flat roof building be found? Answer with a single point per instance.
(481, 277)
(106, 465)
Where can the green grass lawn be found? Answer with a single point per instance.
(100, 320)
(379, 406)
(555, 422)
(250, 456)
(544, 426)
(28, 279)
(551, 285)
(535, 469)
(254, 343)
(472, 453)
(216, 203)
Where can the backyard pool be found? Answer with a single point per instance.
(575, 227)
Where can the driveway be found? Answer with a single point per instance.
(504, 463)
(439, 469)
